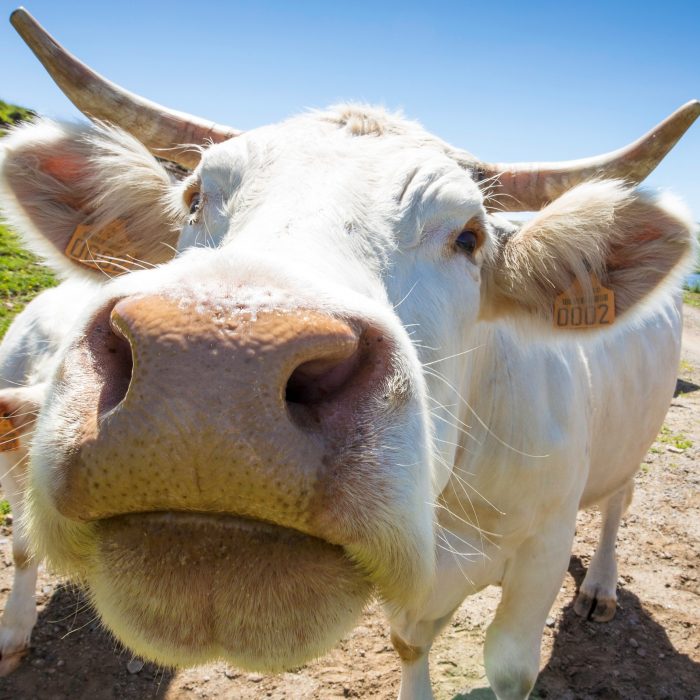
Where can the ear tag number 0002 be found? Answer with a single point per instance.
(105, 250)
(572, 309)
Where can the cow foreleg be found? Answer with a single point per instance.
(597, 597)
(20, 615)
(412, 633)
(531, 582)
(415, 670)
(412, 642)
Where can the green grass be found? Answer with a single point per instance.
(12, 114)
(4, 506)
(21, 277)
(692, 297)
(678, 440)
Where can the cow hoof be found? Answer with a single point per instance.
(513, 685)
(14, 645)
(11, 660)
(597, 609)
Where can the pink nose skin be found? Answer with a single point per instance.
(210, 407)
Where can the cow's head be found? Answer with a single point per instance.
(242, 443)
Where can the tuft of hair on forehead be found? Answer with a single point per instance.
(358, 119)
(364, 120)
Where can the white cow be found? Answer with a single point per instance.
(348, 380)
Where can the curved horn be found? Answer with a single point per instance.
(165, 132)
(530, 186)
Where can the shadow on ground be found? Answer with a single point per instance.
(74, 658)
(684, 387)
(630, 658)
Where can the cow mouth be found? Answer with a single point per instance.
(184, 589)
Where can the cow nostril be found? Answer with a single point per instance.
(339, 381)
(319, 380)
(115, 363)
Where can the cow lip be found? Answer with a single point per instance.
(214, 519)
(186, 588)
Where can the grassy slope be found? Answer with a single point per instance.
(21, 277)
(12, 114)
(692, 298)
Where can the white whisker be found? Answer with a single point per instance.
(449, 357)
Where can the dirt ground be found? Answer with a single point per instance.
(651, 650)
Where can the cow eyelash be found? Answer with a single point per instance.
(195, 204)
(193, 200)
(470, 238)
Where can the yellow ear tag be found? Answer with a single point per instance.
(106, 250)
(573, 310)
(9, 439)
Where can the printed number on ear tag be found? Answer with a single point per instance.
(107, 250)
(573, 310)
(9, 439)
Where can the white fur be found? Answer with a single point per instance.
(513, 427)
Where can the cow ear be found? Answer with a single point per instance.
(19, 408)
(589, 259)
(86, 197)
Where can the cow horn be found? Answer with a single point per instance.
(531, 186)
(165, 132)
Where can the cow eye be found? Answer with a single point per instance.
(468, 241)
(195, 203)
(193, 199)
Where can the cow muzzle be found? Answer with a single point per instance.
(222, 458)
(217, 409)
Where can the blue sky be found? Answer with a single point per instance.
(505, 80)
